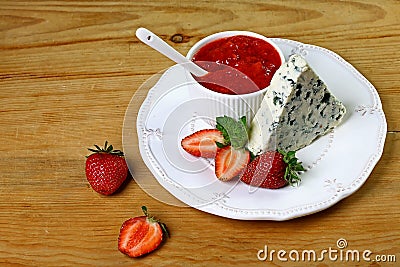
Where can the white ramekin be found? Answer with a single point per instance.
(219, 104)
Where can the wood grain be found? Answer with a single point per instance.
(68, 70)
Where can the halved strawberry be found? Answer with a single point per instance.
(230, 162)
(140, 235)
(202, 143)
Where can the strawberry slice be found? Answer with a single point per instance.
(140, 235)
(230, 162)
(202, 143)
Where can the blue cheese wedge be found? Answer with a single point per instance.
(297, 108)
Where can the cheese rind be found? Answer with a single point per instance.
(296, 109)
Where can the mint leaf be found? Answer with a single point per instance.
(234, 132)
(243, 120)
(223, 131)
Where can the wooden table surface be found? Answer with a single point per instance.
(68, 71)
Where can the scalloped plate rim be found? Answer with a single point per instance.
(293, 212)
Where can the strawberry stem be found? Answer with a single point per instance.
(144, 209)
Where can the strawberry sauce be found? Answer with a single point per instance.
(255, 58)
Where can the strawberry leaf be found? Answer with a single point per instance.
(109, 149)
(164, 229)
(252, 156)
(293, 167)
(220, 145)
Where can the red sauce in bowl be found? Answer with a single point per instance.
(255, 58)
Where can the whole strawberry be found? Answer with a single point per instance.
(273, 169)
(106, 169)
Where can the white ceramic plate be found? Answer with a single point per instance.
(337, 164)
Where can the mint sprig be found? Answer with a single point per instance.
(234, 131)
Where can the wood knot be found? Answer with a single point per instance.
(177, 38)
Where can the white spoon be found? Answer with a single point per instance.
(158, 44)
